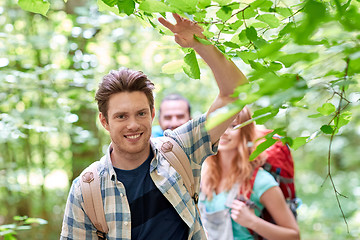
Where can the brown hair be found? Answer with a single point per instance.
(242, 168)
(123, 80)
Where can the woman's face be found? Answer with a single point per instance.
(230, 139)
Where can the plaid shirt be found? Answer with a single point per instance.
(194, 140)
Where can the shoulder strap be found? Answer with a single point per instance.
(93, 204)
(176, 156)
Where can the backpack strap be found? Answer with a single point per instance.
(178, 159)
(93, 204)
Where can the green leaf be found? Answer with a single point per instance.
(326, 109)
(246, 55)
(224, 13)
(251, 33)
(104, 7)
(222, 2)
(259, 3)
(110, 3)
(191, 66)
(10, 236)
(285, 12)
(35, 6)
(126, 6)
(172, 67)
(264, 114)
(202, 40)
(188, 6)
(202, 4)
(298, 142)
(153, 6)
(290, 59)
(343, 119)
(270, 49)
(235, 25)
(270, 19)
(315, 115)
(327, 129)
(222, 114)
(35, 220)
(262, 147)
(231, 45)
(247, 13)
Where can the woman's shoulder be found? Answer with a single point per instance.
(263, 181)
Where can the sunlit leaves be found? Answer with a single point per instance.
(154, 6)
(203, 3)
(327, 129)
(264, 114)
(188, 6)
(251, 34)
(326, 109)
(262, 147)
(172, 67)
(298, 142)
(343, 119)
(36, 6)
(191, 66)
(290, 59)
(124, 6)
(222, 114)
(270, 19)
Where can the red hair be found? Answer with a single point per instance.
(241, 168)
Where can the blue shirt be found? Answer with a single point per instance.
(194, 140)
(150, 211)
(157, 131)
(263, 182)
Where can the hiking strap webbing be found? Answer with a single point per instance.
(178, 159)
(93, 204)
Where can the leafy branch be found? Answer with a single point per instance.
(336, 120)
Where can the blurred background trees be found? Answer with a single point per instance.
(50, 67)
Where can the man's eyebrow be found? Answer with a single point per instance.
(119, 113)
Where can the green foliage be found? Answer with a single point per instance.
(302, 59)
(9, 231)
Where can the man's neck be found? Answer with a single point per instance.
(128, 161)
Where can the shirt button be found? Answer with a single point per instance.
(126, 223)
(121, 194)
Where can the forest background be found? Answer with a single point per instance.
(302, 59)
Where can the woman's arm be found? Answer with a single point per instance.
(285, 228)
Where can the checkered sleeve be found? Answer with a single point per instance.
(195, 139)
(76, 224)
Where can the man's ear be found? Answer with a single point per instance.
(103, 121)
(153, 114)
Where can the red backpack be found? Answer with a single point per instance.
(280, 165)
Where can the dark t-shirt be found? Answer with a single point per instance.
(152, 215)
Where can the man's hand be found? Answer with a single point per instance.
(184, 31)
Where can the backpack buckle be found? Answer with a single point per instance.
(101, 235)
(196, 198)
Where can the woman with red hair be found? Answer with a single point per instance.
(225, 213)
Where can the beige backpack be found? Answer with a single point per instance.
(90, 182)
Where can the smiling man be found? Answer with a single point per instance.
(143, 196)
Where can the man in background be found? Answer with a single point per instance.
(174, 111)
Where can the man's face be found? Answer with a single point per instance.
(173, 114)
(129, 122)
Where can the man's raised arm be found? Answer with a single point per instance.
(227, 75)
